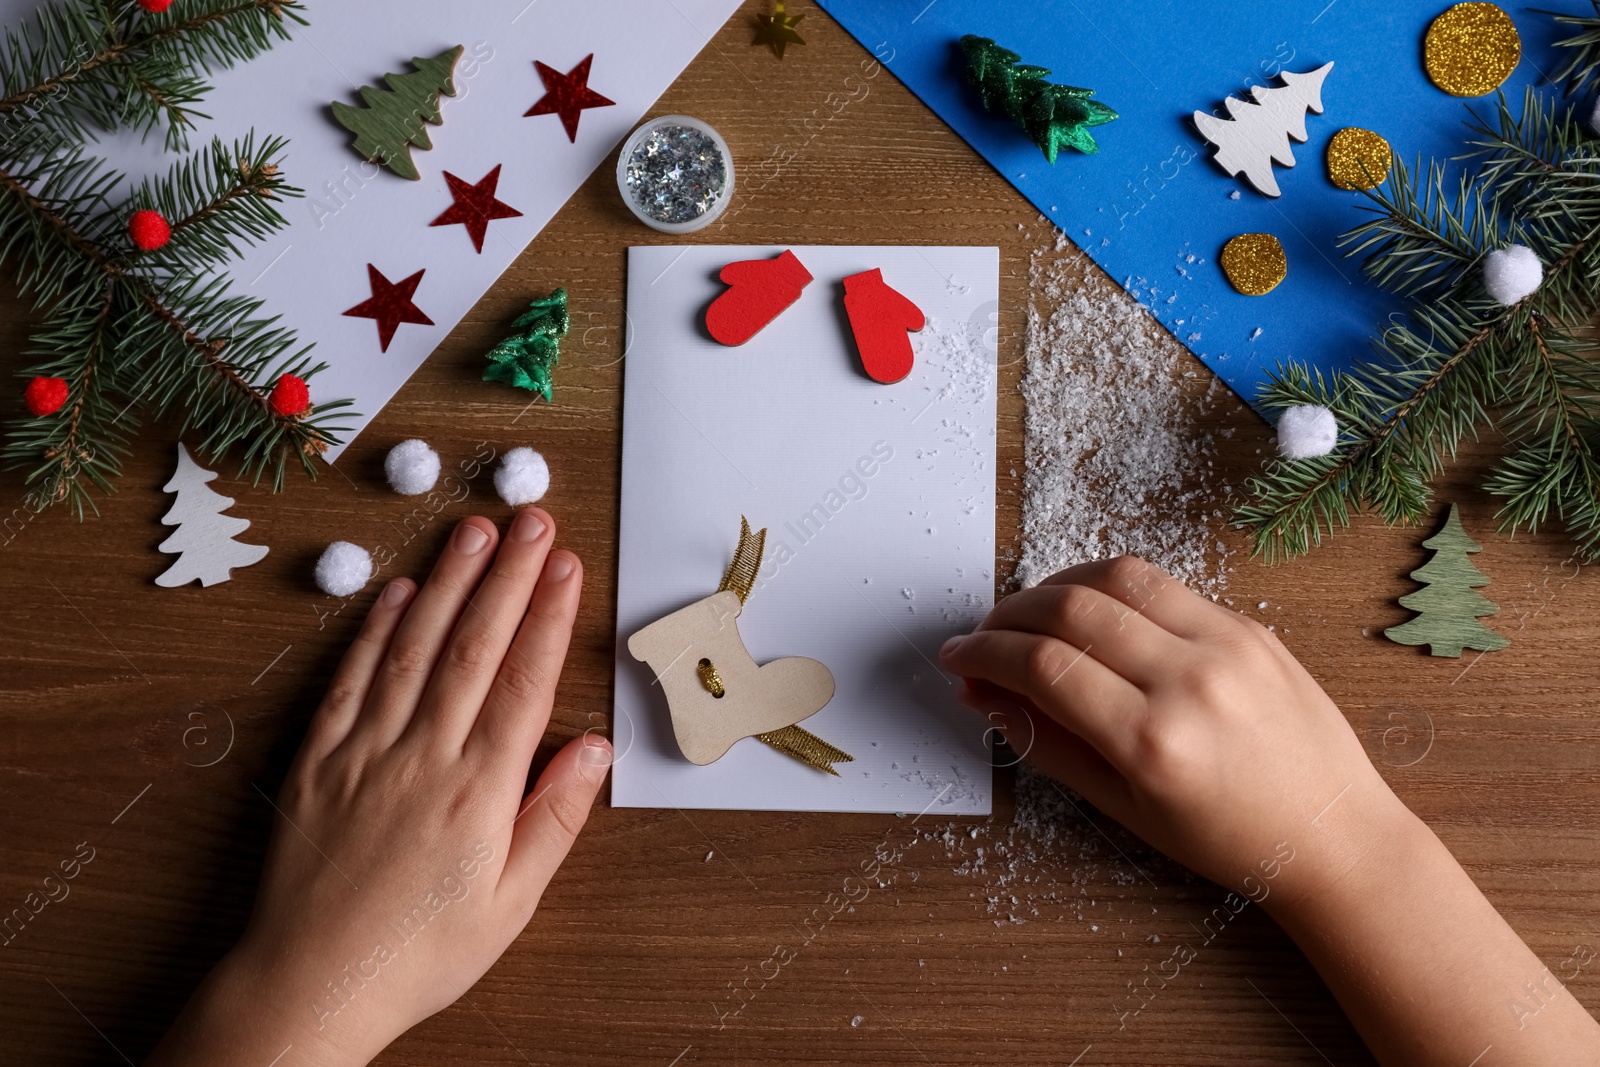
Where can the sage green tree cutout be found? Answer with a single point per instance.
(1449, 605)
(396, 118)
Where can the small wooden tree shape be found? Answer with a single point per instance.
(204, 535)
(1256, 135)
(396, 118)
(1449, 605)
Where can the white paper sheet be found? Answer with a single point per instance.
(355, 214)
(869, 574)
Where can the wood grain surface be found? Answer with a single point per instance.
(152, 724)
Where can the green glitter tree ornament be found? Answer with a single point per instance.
(1449, 605)
(526, 358)
(1052, 115)
(396, 118)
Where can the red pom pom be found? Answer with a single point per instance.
(290, 397)
(44, 396)
(155, 7)
(148, 230)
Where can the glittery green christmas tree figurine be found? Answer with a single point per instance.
(1449, 605)
(526, 358)
(397, 117)
(1053, 115)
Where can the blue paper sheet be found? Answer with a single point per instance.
(1151, 207)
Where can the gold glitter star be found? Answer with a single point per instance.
(777, 30)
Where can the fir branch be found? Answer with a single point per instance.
(1556, 470)
(1583, 46)
(170, 335)
(216, 200)
(1462, 362)
(45, 212)
(105, 64)
(1424, 237)
(86, 441)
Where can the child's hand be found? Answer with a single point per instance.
(1188, 723)
(1195, 728)
(408, 851)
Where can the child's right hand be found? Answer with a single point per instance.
(1188, 723)
(1194, 727)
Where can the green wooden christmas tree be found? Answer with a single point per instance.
(526, 358)
(1449, 605)
(396, 118)
(1052, 115)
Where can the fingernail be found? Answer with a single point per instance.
(558, 569)
(527, 527)
(596, 754)
(950, 646)
(395, 593)
(469, 539)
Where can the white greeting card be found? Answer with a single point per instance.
(879, 506)
(356, 213)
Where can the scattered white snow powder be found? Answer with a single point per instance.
(1116, 460)
(1045, 863)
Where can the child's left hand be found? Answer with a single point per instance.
(408, 852)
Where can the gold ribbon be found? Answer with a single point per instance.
(745, 567)
(710, 678)
(740, 579)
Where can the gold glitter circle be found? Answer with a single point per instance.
(1254, 263)
(1471, 49)
(1358, 159)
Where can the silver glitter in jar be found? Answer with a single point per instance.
(675, 173)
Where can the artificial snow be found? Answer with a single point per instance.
(343, 569)
(1042, 866)
(1116, 460)
(411, 467)
(1306, 432)
(522, 477)
(1510, 274)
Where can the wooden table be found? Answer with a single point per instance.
(149, 723)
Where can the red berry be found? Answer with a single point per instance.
(290, 397)
(155, 7)
(148, 230)
(44, 396)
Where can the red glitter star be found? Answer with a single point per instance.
(567, 94)
(475, 206)
(390, 304)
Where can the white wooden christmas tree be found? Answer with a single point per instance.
(1255, 135)
(204, 536)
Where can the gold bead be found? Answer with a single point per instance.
(1254, 263)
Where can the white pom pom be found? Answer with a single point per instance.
(1307, 432)
(343, 569)
(1512, 273)
(523, 477)
(1594, 117)
(412, 467)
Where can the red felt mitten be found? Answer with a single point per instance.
(880, 318)
(759, 290)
